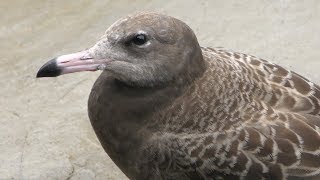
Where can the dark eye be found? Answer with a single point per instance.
(139, 39)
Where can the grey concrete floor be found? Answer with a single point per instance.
(45, 132)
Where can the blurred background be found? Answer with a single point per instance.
(45, 132)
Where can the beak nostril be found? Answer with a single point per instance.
(85, 58)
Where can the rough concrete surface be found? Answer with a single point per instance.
(45, 132)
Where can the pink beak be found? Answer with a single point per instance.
(70, 63)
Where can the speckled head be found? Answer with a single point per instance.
(144, 49)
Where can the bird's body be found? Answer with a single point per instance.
(211, 114)
(238, 119)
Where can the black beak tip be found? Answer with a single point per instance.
(50, 69)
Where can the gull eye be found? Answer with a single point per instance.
(139, 39)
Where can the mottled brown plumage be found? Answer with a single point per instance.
(172, 110)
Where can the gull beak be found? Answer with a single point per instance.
(70, 63)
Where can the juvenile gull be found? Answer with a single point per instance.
(166, 108)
